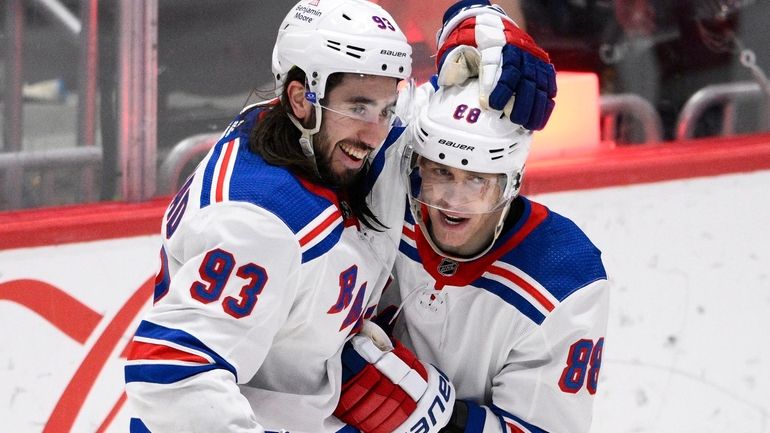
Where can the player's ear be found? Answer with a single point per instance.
(300, 107)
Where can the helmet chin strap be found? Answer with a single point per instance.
(306, 139)
(417, 213)
(512, 188)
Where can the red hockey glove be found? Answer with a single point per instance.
(385, 388)
(515, 74)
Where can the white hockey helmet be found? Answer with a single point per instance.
(322, 37)
(453, 131)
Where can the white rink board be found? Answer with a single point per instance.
(37, 360)
(686, 348)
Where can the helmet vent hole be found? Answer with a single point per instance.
(464, 162)
(400, 69)
(384, 67)
(496, 150)
(496, 157)
(352, 48)
(346, 17)
(441, 156)
(333, 45)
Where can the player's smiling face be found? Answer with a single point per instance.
(355, 121)
(462, 235)
(461, 207)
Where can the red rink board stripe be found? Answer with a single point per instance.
(614, 167)
(649, 163)
(81, 223)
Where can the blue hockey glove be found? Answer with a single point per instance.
(515, 74)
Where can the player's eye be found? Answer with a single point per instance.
(478, 180)
(441, 173)
(359, 109)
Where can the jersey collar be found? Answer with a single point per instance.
(467, 272)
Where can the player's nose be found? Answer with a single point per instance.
(373, 134)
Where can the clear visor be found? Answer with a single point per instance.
(363, 112)
(454, 190)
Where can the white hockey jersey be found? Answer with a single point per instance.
(519, 331)
(264, 277)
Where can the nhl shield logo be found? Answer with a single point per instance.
(447, 267)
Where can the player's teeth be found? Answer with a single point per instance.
(453, 220)
(353, 151)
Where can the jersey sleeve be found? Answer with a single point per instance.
(550, 376)
(229, 280)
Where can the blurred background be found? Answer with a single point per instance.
(118, 99)
(658, 149)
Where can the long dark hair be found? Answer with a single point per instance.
(276, 140)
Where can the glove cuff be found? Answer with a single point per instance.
(460, 5)
(459, 418)
(431, 414)
(464, 10)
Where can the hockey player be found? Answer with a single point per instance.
(508, 298)
(271, 256)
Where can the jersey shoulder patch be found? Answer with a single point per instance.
(233, 173)
(559, 256)
(551, 259)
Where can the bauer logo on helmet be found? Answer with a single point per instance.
(456, 145)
